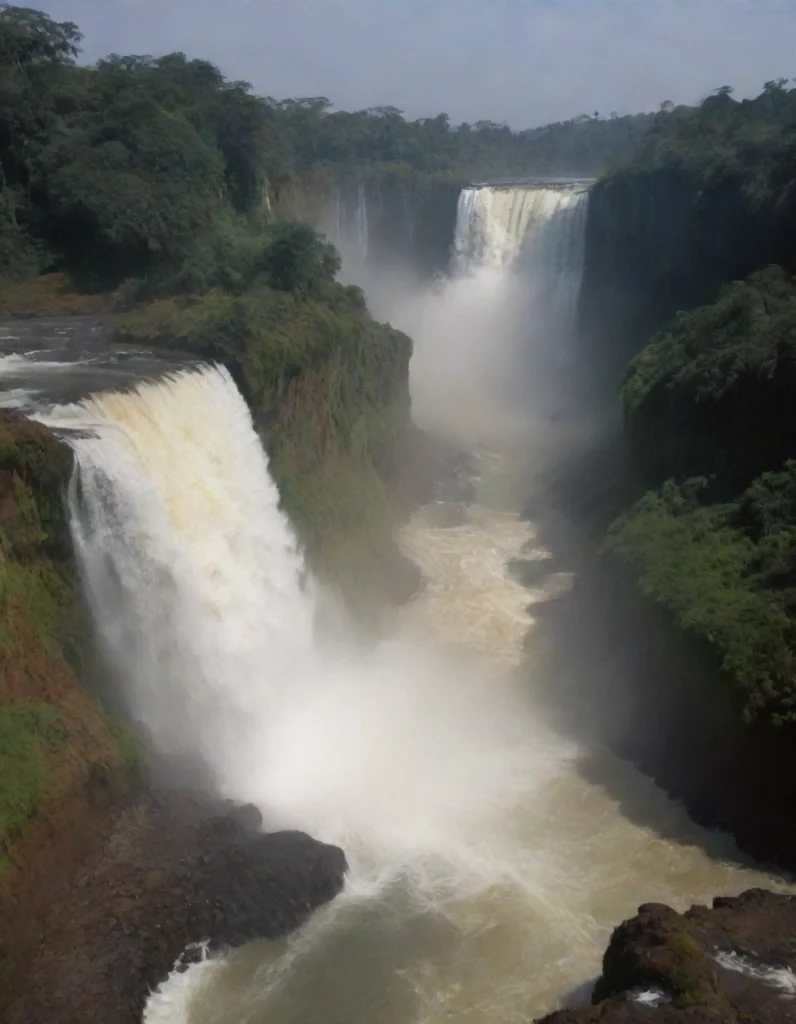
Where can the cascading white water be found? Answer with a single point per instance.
(498, 224)
(495, 340)
(196, 588)
(348, 228)
(363, 230)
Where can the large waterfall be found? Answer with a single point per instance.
(207, 616)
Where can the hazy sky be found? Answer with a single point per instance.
(524, 61)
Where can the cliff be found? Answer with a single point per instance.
(401, 216)
(62, 761)
(708, 197)
(696, 584)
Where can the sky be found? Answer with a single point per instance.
(526, 62)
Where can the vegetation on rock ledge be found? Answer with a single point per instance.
(709, 405)
(328, 386)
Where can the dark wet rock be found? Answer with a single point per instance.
(734, 963)
(176, 873)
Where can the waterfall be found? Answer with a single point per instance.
(497, 224)
(350, 228)
(537, 231)
(201, 601)
(191, 569)
(496, 342)
(363, 233)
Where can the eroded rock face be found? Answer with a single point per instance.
(175, 872)
(734, 963)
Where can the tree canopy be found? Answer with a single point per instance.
(114, 170)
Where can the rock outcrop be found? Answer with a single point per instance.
(734, 963)
(176, 872)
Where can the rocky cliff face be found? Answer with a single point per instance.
(657, 242)
(400, 217)
(63, 763)
(176, 873)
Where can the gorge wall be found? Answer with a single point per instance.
(689, 612)
(661, 239)
(63, 763)
(391, 217)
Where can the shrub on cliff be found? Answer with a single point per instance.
(731, 588)
(716, 392)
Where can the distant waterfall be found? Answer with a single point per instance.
(499, 224)
(539, 231)
(363, 231)
(350, 229)
(494, 343)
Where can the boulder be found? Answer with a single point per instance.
(176, 873)
(733, 963)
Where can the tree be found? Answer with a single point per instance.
(298, 260)
(29, 37)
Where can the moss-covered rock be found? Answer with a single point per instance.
(732, 963)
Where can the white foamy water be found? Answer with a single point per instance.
(492, 906)
(497, 225)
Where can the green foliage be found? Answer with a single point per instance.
(717, 390)
(716, 580)
(328, 388)
(51, 730)
(712, 399)
(753, 140)
(381, 137)
(297, 260)
(29, 735)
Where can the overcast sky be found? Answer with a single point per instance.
(527, 62)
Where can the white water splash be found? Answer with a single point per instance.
(783, 979)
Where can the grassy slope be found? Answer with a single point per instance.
(50, 295)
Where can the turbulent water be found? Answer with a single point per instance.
(490, 856)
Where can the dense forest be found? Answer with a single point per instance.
(138, 164)
(709, 403)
